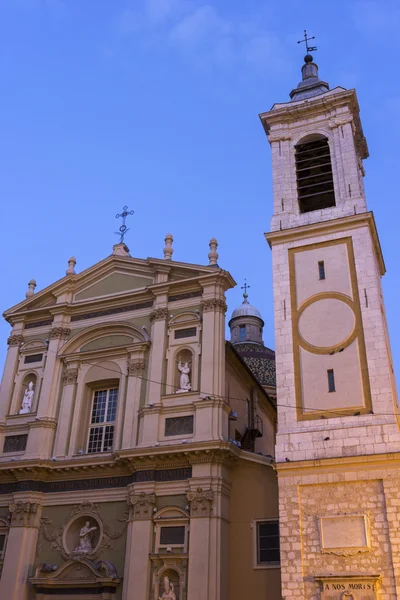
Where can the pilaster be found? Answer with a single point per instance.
(138, 542)
(6, 389)
(135, 367)
(25, 512)
(69, 383)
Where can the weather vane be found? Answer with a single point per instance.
(306, 40)
(245, 287)
(123, 229)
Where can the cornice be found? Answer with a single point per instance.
(327, 227)
(366, 462)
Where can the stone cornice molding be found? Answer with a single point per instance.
(214, 304)
(47, 422)
(141, 505)
(279, 137)
(61, 333)
(200, 502)
(340, 225)
(339, 121)
(15, 339)
(159, 314)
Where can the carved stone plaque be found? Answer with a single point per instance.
(179, 425)
(349, 588)
(344, 535)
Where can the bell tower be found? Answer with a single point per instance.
(337, 400)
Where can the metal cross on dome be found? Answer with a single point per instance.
(245, 287)
(306, 40)
(123, 229)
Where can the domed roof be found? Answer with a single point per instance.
(246, 310)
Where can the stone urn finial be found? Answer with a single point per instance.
(31, 288)
(71, 266)
(213, 254)
(168, 249)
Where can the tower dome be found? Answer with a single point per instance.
(246, 323)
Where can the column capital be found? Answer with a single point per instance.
(70, 376)
(200, 502)
(135, 367)
(15, 339)
(25, 513)
(60, 332)
(141, 505)
(159, 314)
(214, 304)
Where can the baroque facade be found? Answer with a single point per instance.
(338, 440)
(122, 416)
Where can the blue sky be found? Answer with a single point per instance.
(154, 104)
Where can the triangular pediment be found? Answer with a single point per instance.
(114, 283)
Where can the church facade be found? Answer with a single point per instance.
(136, 443)
(338, 440)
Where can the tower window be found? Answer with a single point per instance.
(242, 333)
(268, 543)
(331, 381)
(314, 175)
(321, 269)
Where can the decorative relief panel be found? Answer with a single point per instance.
(179, 425)
(200, 502)
(83, 533)
(159, 314)
(60, 332)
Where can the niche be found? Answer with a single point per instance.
(183, 366)
(27, 401)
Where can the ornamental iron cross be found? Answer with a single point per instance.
(245, 287)
(306, 40)
(123, 229)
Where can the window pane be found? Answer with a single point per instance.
(172, 535)
(268, 542)
(112, 405)
(99, 406)
(242, 333)
(2, 541)
(108, 438)
(95, 439)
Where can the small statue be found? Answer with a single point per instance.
(85, 539)
(27, 399)
(168, 593)
(184, 381)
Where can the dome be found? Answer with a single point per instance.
(246, 310)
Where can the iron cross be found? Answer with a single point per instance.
(123, 229)
(306, 40)
(245, 287)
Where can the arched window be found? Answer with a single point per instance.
(314, 174)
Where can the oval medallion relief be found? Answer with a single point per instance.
(326, 323)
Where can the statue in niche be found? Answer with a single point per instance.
(168, 593)
(27, 399)
(85, 539)
(184, 381)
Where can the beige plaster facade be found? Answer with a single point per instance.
(338, 440)
(123, 470)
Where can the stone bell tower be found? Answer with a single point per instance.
(338, 432)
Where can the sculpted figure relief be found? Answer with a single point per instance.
(85, 539)
(184, 381)
(168, 593)
(27, 399)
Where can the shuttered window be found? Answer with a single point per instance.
(314, 175)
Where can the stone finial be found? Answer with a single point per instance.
(71, 266)
(120, 249)
(168, 249)
(31, 288)
(213, 254)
